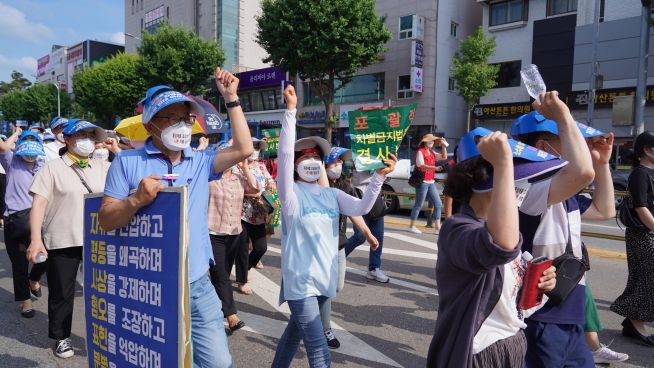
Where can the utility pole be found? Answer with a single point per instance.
(594, 66)
(57, 85)
(641, 87)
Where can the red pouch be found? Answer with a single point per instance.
(530, 295)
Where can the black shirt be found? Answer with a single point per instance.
(640, 187)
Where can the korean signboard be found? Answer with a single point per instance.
(605, 97)
(376, 132)
(416, 53)
(501, 111)
(266, 77)
(416, 79)
(136, 286)
(272, 137)
(42, 65)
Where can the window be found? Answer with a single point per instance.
(602, 5)
(406, 27)
(453, 28)
(509, 74)
(508, 12)
(132, 6)
(154, 19)
(451, 84)
(167, 12)
(556, 7)
(362, 88)
(142, 26)
(404, 87)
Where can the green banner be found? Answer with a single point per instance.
(272, 137)
(375, 133)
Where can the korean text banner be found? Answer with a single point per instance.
(375, 133)
(272, 137)
(136, 286)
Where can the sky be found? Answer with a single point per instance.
(29, 28)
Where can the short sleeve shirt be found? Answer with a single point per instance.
(639, 186)
(253, 212)
(194, 170)
(63, 225)
(18, 181)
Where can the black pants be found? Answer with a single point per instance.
(246, 259)
(3, 188)
(62, 271)
(17, 239)
(224, 250)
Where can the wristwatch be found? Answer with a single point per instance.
(235, 103)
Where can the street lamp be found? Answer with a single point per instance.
(58, 86)
(132, 36)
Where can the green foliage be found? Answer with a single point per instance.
(471, 71)
(322, 40)
(109, 89)
(179, 58)
(18, 82)
(37, 103)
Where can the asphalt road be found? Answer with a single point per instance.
(379, 325)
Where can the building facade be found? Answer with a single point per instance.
(229, 22)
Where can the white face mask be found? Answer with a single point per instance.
(29, 158)
(254, 156)
(60, 137)
(101, 154)
(84, 147)
(430, 144)
(335, 172)
(309, 169)
(177, 136)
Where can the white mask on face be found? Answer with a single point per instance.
(29, 158)
(177, 136)
(309, 169)
(430, 144)
(254, 156)
(335, 172)
(84, 147)
(60, 138)
(101, 154)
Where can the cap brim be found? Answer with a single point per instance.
(149, 113)
(533, 171)
(311, 142)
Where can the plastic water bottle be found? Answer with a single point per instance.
(41, 257)
(445, 142)
(533, 81)
(527, 256)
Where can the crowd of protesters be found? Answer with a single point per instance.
(519, 198)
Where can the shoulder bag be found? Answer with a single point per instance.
(626, 213)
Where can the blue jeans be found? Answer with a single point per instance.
(377, 228)
(556, 345)
(429, 192)
(304, 325)
(208, 336)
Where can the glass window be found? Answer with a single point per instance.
(257, 101)
(509, 74)
(245, 102)
(269, 99)
(453, 28)
(362, 88)
(555, 7)
(406, 27)
(404, 87)
(451, 84)
(508, 12)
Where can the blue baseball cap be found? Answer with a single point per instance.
(338, 152)
(528, 162)
(535, 122)
(159, 97)
(48, 136)
(76, 125)
(58, 121)
(29, 133)
(29, 148)
(37, 126)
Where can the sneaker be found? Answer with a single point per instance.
(414, 230)
(377, 275)
(332, 341)
(64, 349)
(606, 355)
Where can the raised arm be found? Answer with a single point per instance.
(578, 173)
(352, 206)
(11, 141)
(285, 155)
(603, 205)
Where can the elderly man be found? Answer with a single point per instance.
(136, 176)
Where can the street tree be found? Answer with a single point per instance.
(471, 71)
(179, 58)
(35, 104)
(110, 89)
(322, 41)
(18, 82)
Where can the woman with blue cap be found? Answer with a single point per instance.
(21, 166)
(57, 126)
(479, 269)
(57, 221)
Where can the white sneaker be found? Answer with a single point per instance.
(64, 349)
(414, 230)
(377, 275)
(606, 355)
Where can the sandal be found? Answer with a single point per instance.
(245, 289)
(259, 265)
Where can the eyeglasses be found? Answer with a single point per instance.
(186, 119)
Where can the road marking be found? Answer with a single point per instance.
(350, 344)
(602, 226)
(406, 239)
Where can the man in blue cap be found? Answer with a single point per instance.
(57, 126)
(551, 215)
(136, 176)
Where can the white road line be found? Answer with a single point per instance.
(396, 252)
(405, 284)
(407, 239)
(269, 292)
(602, 226)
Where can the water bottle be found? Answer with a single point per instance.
(533, 81)
(444, 142)
(41, 257)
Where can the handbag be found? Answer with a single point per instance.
(378, 208)
(417, 178)
(626, 213)
(569, 269)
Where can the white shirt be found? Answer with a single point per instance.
(52, 150)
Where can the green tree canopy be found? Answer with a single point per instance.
(179, 58)
(322, 41)
(18, 82)
(471, 71)
(109, 89)
(37, 103)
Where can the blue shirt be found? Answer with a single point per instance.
(195, 170)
